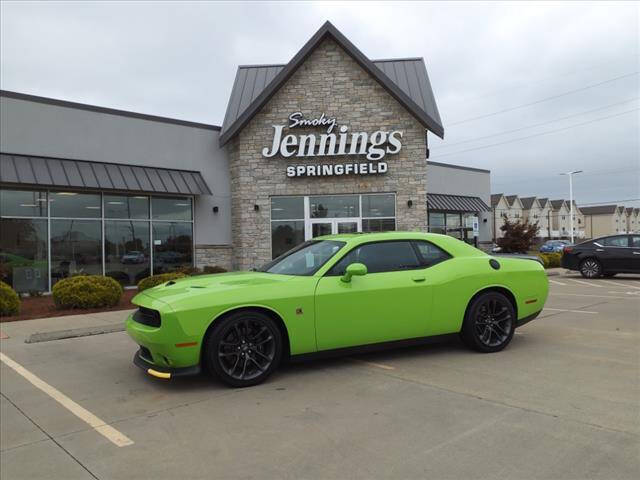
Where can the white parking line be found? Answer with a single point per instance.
(585, 295)
(588, 284)
(557, 282)
(621, 284)
(110, 433)
(572, 311)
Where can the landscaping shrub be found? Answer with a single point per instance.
(208, 269)
(188, 271)
(9, 300)
(551, 260)
(154, 280)
(87, 291)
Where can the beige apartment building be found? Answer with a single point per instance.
(633, 220)
(604, 220)
(536, 210)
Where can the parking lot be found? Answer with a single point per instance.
(562, 401)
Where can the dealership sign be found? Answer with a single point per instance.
(373, 146)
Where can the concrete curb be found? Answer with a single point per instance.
(73, 333)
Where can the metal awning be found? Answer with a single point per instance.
(455, 203)
(61, 173)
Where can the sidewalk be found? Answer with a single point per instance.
(25, 328)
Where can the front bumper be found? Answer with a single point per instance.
(167, 347)
(158, 371)
(527, 319)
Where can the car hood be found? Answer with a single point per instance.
(180, 288)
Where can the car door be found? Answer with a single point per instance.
(634, 243)
(614, 253)
(391, 302)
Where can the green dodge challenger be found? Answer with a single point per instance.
(332, 295)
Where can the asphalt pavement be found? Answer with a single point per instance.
(561, 402)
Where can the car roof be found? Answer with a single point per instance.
(450, 244)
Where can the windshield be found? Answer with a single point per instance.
(305, 259)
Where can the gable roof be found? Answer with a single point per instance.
(543, 201)
(528, 202)
(495, 198)
(511, 199)
(599, 210)
(405, 79)
(557, 204)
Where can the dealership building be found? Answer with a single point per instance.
(331, 142)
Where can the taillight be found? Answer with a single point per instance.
(567, 249)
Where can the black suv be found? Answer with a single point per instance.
(604, 256)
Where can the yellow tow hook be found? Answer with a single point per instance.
(158, 374)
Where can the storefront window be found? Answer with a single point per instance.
(286, 208)
(172, 246)
(436, 222)
(76, 248)
(334, 206)
(171, 208)
(126, 248)
(378, 224)
(75, 205)
(23, 203)
(379, 205)
(285, 235)
(121, 206)
(23, 254)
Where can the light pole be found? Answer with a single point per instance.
(571, 174)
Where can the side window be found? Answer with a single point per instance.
(635, 241)
(380, 257)
(619, 241)
(431, 254)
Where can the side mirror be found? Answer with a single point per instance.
(354, 269)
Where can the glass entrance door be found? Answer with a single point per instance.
(329, 226)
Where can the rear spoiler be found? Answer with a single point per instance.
(519, 255)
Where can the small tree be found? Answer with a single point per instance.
(518, 237)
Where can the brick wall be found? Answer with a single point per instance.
(329, 81)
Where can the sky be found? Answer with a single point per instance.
(525, 90)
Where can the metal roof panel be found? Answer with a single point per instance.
(55, 172)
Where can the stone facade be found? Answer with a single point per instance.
(214, 255)
(329, 82)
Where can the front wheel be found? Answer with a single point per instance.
(489, 323)
(590, 268)
(244, 349)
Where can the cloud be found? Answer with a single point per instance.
(179, 60)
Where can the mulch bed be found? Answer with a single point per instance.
(43, 307)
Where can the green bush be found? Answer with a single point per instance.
(154, 280)
(208, 269)
(9, 300)
(551, 260)
(87, 291)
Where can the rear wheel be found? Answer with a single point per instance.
(590, 268)
(489, 323)
(244, 349)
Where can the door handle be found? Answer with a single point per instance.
(599, 249)
(418, 279)
(636, 253)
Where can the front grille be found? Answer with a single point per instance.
(148, 317)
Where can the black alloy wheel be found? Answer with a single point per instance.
(489, 323)
(244, 348)
(590, 268)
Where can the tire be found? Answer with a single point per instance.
(244, 348)
(590, 268)
(489, 323)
